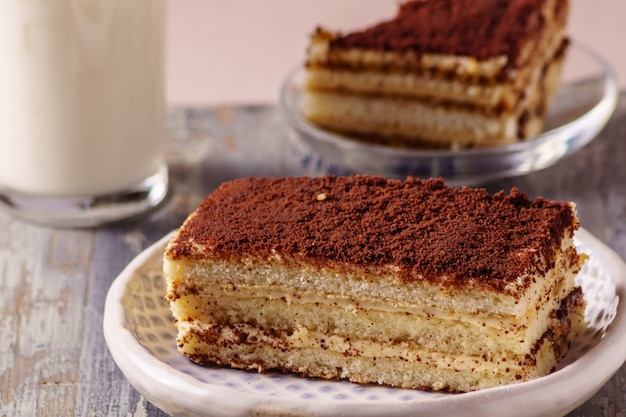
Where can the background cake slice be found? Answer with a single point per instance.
(405, 283)
(441, 73)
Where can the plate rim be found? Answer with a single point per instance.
(164, 386)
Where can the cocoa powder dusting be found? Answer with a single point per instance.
(421, 226)
(482, 29)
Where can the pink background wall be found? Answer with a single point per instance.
(238, 51)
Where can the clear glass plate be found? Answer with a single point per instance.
(141, 337)
(581, 108)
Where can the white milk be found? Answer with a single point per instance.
(81, 94)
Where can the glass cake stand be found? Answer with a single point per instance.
(581, 108)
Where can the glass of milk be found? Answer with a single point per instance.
(81, 109)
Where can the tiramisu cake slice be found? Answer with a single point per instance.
(441, 73)
(405, 283)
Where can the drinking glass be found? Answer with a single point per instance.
(82, 109)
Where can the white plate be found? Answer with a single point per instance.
(141, 338)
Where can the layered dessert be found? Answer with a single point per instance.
(440, 74)
(409, 284)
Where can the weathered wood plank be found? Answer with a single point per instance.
(42, 294)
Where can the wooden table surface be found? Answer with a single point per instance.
(53, 282)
